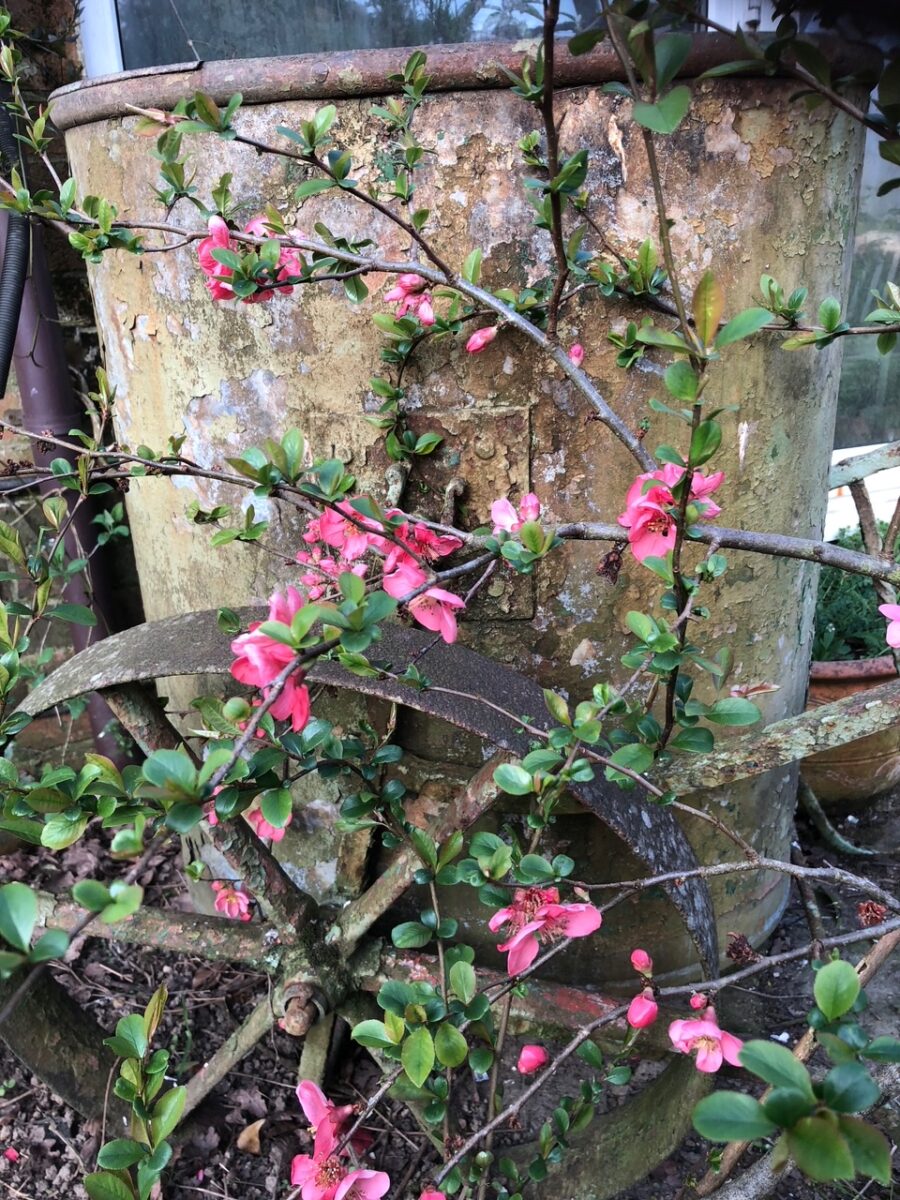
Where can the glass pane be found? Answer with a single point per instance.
(868, 406)
(156, 32)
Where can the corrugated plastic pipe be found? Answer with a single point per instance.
(31, 338)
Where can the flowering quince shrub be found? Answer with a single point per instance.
(358, 563)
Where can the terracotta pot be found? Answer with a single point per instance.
(862, 769)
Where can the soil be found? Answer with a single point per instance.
(242, 1140)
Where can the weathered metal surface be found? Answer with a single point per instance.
(752, 182)
(459, 67)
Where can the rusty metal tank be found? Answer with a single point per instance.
(753, 182)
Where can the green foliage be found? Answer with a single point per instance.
(848, 624)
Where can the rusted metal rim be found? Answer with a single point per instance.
(466, 66)
(867, 670)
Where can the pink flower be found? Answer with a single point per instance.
(426, 543)
(404, 579)
(698, 1001)
(576, 354)
(232, 900)
(219, 276)
(892, 612)
(348, 531)
(643, 1010)
(703, 1035)
(262, 828)
(642, 962)
(432, 1195)
(11, 1155)
(534, 916)
(507, 519)
(327, 1179)
(481, 338)
(410, 294)
(260, 659)
(323, 1114)
(648, 515)
(531, 1059)
(434, 610)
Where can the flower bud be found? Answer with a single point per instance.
(576, 354)
(642, 962)
(643, 1010)
(481, 338)
(532, 1059)
(698, 1001)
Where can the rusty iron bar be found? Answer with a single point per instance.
(465, 66)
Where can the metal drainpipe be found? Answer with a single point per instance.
(49, 404)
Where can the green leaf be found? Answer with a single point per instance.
(471, 270)
(53, 944)
(101, 1185)
(410, 935)
(869, 1147)
(670, 53)
(849, 1088)
(682, 381)
(90, 894)
(76, 614)
(731, 1117)
(786, 1105)
(126, 899)
(829, 313)
(817, 1147)
(18, 915)
(60, 832)
(130, 1038)
(171, 770)
(463, 982)
(450, 1046)
(312, 187)
(373, 1034)
(695, 741)
(276, 805)
(835, 988)
(707, 305)
(583, 43)
(120, 1154)
(183, 817)
(167, 1112)
(355, 289)
(513, 779)
(667, 114)
(636, 757)
(776, 1065)
(417, 1056)
(733, 710)
(883, 1049)
(743, 325)
(705, 441)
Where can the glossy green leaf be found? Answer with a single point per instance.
(18, 914)
(666, 114)
(835, 988)
(417, 1056)
(731, 1117)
